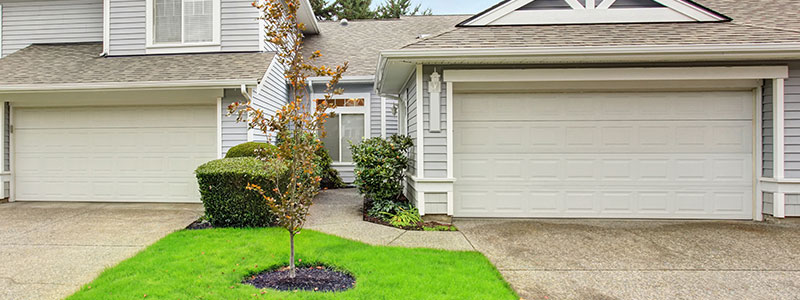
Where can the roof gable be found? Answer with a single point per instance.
(555, 12)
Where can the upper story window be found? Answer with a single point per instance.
(183, 23)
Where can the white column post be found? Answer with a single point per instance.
(420, 141)
(778, 116)
(449, 128)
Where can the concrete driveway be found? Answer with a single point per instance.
(642, 259)
(48, 250)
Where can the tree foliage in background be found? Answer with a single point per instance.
(394, 9)
(294, 124)
(360, 9)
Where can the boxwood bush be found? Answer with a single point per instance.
(249, 149)
(380, 167)
(223, 190)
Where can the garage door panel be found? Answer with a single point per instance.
(627, 155)
(615, 106)
(112, 153)
(704, 169)
(733, 136)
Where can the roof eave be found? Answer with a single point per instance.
(180, 84)
(583, 54)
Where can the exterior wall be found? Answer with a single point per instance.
(767, 126)
(767, 202)
(233, 133)
(435, 143)
(239, 28)
(792, 123)
(391, 117)
(56, 21)
(435, 203)
(269, 96)
(793, 205)
(411, 123)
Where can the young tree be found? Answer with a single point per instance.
(295, 125)
(397, 8)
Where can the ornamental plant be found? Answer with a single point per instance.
(380, 167)
(294, 124)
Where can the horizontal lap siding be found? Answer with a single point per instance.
(57, 21)
(793, 205)
(767, 129)
(391, 117)
(411, 112)
(239, 26)
(435, 143)
(792, 122)
(127, 27)
(374, 114)
(767, 208)
(270, 95)
(233, 132)
(239, 29)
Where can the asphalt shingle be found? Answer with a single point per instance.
(81, 63)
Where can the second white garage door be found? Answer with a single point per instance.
(620, 155)
(112, 154)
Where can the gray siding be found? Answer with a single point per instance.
(374, 114)
(767, 207)
(391, 118)
(435, 203)
(411, 115)
(127, 27)
(270, 95)
(767, 126)
(239, 29)
(239, 26)
(52, 21)
(793, 205)
(346, 173)
(411, 193)
(435, 143)
(792, 122)
(233, 133)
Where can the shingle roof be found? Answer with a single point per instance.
(755, 21)
(361, 41)
(77, 63)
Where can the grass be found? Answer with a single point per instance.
(210, 264)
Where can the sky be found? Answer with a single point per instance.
(445, 7)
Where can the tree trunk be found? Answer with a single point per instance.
(292, 268)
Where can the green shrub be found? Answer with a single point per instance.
(223, 190)
(250, 149)
(330, 177)
(404, 217)
(380, 168)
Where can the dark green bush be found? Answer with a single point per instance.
(249, 149)
(223, 190)
(330, 177)
(380, 168)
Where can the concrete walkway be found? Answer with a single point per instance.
(338, 212)
(48, 250)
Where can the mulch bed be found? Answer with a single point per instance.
(318, 279)
(199, 224)
(418, 227)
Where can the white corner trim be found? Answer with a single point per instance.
(216, 23)
(617, 74)
(758, 166)
(12, 155)
(420, 155)
(383, 117)
(449, 129)
(435, 101)
(219, 127)
(778, 116)
(779, 205)
(106, 26)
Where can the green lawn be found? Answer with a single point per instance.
(210, 264)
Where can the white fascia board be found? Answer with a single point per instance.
(182, 84)
(584, 54)
(307, 17)
(617, 74)
(345, 79)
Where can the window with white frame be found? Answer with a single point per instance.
(348, 126)
(183, 22)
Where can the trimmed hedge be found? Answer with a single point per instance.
(223, 190)
(249, 149)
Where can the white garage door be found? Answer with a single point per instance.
(115, 154)
(620, 155)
